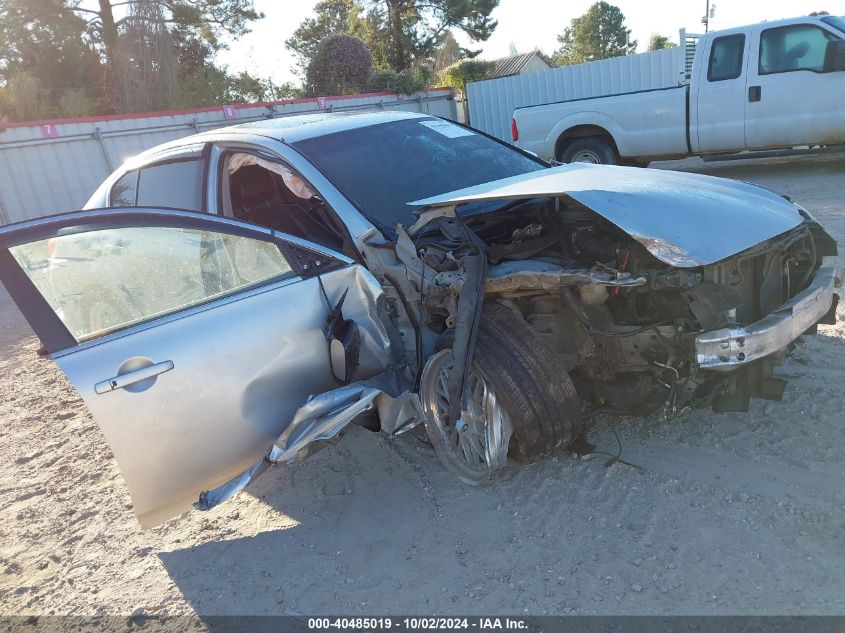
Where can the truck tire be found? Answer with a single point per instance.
(529, 382)
(589, 149)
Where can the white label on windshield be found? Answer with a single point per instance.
(447, 129)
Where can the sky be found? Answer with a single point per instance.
(528, 24)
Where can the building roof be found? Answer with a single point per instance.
(514, 64)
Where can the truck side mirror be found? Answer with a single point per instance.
(834, 56)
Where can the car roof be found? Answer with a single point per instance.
(296, 128)
(289, 129)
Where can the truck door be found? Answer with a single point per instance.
(720, 124)
(791, 100)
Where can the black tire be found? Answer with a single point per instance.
(532, 384)
(599, 151)
(531, 380)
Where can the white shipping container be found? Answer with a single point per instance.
(492, 102)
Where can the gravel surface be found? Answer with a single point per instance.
(724, 514)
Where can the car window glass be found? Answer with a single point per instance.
(125, 190)
(381, 168)
(271, 194)
(788, 48)
(105, 280)
(175, 184)
(726, 58)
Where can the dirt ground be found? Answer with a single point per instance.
(727, 514)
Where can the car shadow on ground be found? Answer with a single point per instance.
(359, 518)
(372, 525)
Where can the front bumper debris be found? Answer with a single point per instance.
(730, 348)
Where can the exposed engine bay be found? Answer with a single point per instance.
(624, 321)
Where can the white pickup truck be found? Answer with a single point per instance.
(767, 86)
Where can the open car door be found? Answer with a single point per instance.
(193, 339)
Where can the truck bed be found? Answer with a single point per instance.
(644, 122)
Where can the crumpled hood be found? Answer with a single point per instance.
(684, 220)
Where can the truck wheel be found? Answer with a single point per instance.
(515, 380)
(591, 149)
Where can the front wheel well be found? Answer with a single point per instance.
(583, 131)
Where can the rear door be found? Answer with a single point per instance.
(192, 338)
(791, 101)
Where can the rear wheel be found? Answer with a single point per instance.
(590, 149)
(517, 384)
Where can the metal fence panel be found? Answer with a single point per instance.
(492, 102)
(52, 166)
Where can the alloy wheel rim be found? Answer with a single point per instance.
(482, 420)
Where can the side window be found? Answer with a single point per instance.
(125, 191)
(105, 280)
(176, 184)
(269, 193)
(726, 57)
(797, 47)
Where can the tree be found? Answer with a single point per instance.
(413, 29)
(659, 42)
(598, 34)
(459, 75)
(146, 68)
(398, 33)
(157, 53)
(449, 52)
(210, 85)
(341, 65)
(43, 48)
(205, 19)
(72, 58)
(330, 18)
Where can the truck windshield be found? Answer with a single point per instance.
(836, 21)
(381, 168)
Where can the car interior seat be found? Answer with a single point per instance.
(259, 196)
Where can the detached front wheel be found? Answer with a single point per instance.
(521, 402)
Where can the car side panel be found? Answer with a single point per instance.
(242, 368)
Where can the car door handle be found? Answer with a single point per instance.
(754, 93)
(132, 377)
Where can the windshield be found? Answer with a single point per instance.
(381, 168)
(836, 21)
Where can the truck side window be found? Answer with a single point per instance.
(796, 47)
(726, 57)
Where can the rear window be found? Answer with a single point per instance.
(176, 184)
(381, 168)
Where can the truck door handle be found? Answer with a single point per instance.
(754, 93)
(133, 377)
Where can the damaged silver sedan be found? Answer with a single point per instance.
(237, 298)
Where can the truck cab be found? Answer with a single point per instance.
(766, 86)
